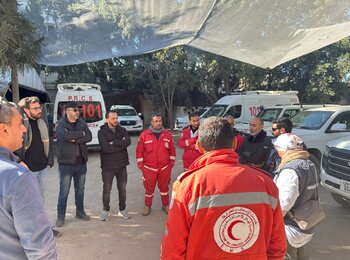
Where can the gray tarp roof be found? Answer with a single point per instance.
(264, 33)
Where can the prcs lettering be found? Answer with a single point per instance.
(81, 98)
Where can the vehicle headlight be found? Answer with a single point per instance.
(139, 121)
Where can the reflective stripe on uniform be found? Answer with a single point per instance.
(163, 193)
(149, 168)
(172, 157)
(312, 187)
(147, 142)
(139, 159)
(167, 140)
(149, 196)
(222, 200)
(186, 143)
(164, 167)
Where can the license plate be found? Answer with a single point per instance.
(345, 186)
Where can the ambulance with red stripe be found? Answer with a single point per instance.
(91, 104)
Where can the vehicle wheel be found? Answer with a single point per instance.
(341, 200)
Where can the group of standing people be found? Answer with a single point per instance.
(224, 205)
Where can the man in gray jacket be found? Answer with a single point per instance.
(72, 136)
(21, 201)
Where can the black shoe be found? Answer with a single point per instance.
(56, 233)
(60, 221)
(82, 215)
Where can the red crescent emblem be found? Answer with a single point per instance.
(229, 230)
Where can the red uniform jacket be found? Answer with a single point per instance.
(239, 140)
(189, 144)
(153, 153)
(223, 210)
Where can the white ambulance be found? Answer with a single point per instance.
(91, 105)
(243, 106)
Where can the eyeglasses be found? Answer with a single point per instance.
(35, 108)
(274, 129)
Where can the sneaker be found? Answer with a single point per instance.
(104, 215)
(124, 214)
(146, 211)
(82, 215)
(56, 233)
(60, 221)
(165, 209)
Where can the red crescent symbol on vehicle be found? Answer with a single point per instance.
(231, 227)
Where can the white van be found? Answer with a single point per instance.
(128, 118)
(244, 106)
(91, 105)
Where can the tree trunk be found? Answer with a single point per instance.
(14, 83)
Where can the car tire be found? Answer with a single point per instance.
(345, 202)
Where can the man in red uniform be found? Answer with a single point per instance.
(155, 155)
(221, 209)
(188, 141)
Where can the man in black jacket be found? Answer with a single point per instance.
(256, 147)
(72, 136)
(114, 141)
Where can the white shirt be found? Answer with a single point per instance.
(287, 182)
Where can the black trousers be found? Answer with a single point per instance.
(107, 178)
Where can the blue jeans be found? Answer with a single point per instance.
(41, 176)
(66, 173)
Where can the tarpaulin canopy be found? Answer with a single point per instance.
(264, 33)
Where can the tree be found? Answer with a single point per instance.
(22, 44)
(169, 70)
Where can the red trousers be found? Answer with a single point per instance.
(150, 178)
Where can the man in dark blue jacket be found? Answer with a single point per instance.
(114, 140)
(72, 136)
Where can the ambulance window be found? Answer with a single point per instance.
(90, 111)
(235, 111)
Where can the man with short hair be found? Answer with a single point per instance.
(279, 127)
(36, 151)
(25, 230)
(188, 141)
(256, 147)
(72, 136)
(221, 209)
(113, 140)
(155, 155)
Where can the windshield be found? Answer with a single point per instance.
(125, 112)
(216, 110)
(90, 111)
(270, 114)
(311, 120)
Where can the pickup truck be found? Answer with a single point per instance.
(335, 174)
(317, 126)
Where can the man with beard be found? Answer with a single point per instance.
(36, 151)
(155, 155)
(72, 136)
(113, 140)
(256, 147)
(188, 141)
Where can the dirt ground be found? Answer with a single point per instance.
(140, 237)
